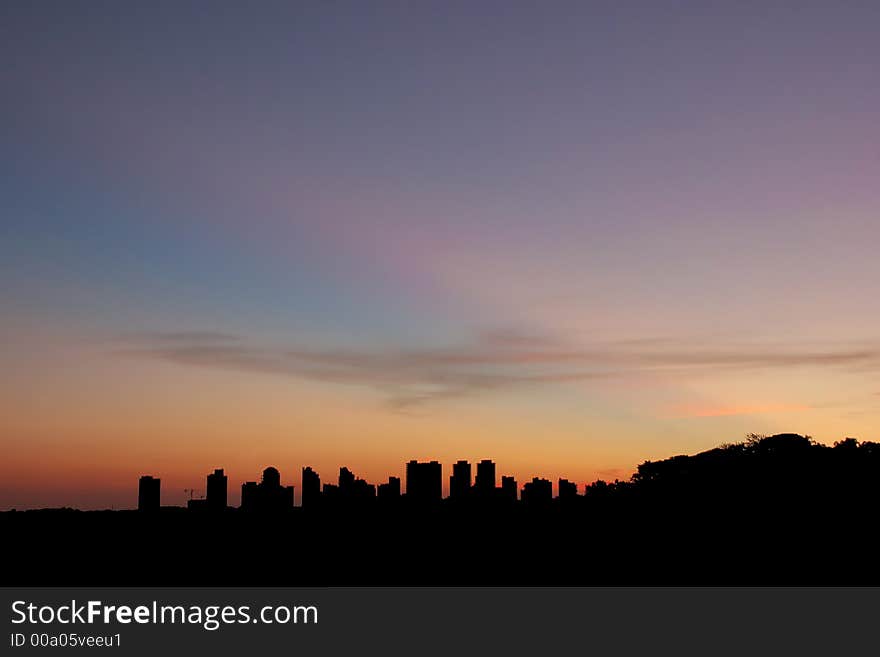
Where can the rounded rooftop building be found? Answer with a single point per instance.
(271, 477)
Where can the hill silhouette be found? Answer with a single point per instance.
(781, 509)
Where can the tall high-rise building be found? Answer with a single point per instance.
(346, 481)
(424, 482)
(508, 489)
(216, 491)
(391, 490)
(250, 496)
(354, 490)
(460, 480)
(311, 488)
(149, 494)
(484, 483)
(567, 490)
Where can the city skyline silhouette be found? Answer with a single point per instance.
(425, 481)
(778, 509)
(423, 484)
(568, 238)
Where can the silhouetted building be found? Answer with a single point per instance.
(484, 484)
(271, 478)
(508, 489)
(346, 481)
(250, 495)
(268, 495)
(149, 494)
(311, 488)
(391, 490)
(363, 490)
(354, 490)
(330, 494)
(424, 481)
(216, 487)
(567, 490)
(781, 492)
(460, 480)
(537, 491)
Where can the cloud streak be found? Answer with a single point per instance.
(499, 360)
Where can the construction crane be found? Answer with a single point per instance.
(192, 492)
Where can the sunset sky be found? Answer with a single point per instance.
(568, 236)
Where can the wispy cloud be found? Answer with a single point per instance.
(497, 360)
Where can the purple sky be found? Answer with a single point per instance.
(574, 234)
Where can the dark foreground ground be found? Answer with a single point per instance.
(774, 511)
(783, 545)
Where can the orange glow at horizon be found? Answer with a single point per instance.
(80, 425)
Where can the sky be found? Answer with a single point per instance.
(567, 236)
